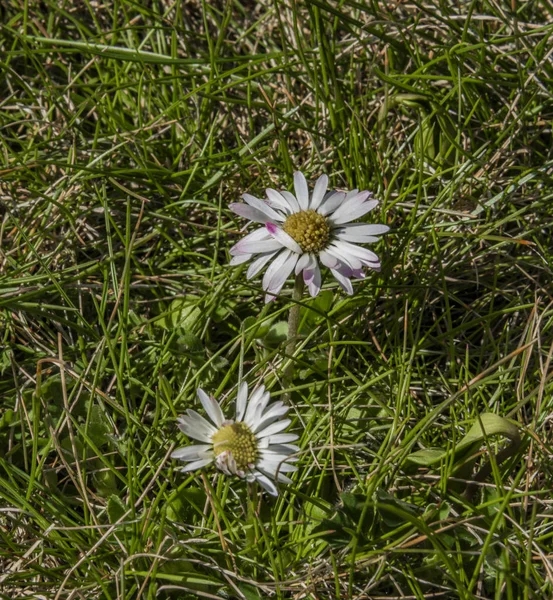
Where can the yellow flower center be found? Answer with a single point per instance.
(310, 230)
(237, 439)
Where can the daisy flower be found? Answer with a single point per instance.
(252, 446)
(300, 233)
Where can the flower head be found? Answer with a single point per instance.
(301, 232)
(252, 446)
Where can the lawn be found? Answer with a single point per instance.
(422, 401)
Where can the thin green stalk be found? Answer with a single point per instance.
(293, 324)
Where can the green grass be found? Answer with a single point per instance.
(126, 129)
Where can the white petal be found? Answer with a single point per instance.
(351, 201)
(251, 213)
(283, 479)
(279, 278)
(211, 407)
(303, 262)
(193, 452)
(258, 264)
(284, 449)
(328, 260)
(255, 398)
(302, 191)
(276, 466)
(319, 192)
(266, 483)
(312, 279)
(366, 255)
(198, 464)
(285, 239)
(238, 260)
(356, 238)
(275, 411)
(365, 228)
(274, 268)
(196, 427)
(356, 209)
(255, 414)
(283, 438)
(246, 247)
(331, 203)
(241, 401)
(292, 201)
(343, 281)
(263, 207)
(344, 256)
(278, 200)
(255, 236)
(274, 428)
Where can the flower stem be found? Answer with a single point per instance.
(293, 324)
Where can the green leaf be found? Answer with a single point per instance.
(116, 508)
(278, 332)
(8, 419)
(98, 427)
(427, 457)
(182, 312)
(488, 425)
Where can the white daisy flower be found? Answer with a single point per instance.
(252, 446)
(300, 232)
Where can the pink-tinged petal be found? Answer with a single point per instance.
(277, 200)
(328, 260)
(302, 191)
(258, 264)
(239, 259)
(194, 452)
(262, 206)
(331, 203)
(303, 262)
(198, 464)
(279, 278)
(251, 213)
(211, 407)
(241, 401)
(319, 192)
(357, 210)
(313, 280)
(245, 247)
(281, 236)
(292, 201)
(266, 483)
(343, 281)
(225, 462)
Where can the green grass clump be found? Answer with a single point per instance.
(127, 128)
